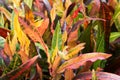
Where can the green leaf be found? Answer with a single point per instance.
(2, 20)
(100, 43)
(2, 41)
(57, 37)
(117, 11)
(116, 17)
(29, 3)
(85, 38)
(114, 36)
(56, 41)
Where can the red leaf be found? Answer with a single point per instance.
(100, 76)
(95, 8)
(4, 32)
(24, 67)
(76, 62)
(16, 73)
(106, 13)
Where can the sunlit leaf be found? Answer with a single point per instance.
(2, 21)
(53, 14)
(73, 52)
(81, 60)
(16, 3)
(6, 13)
(22, 38)
(34, 36)
(64, 38)
(29, 14)
(42, 28)
(29, 3)
(55, 65)
(7, 50)
(58, 5)
(56, 41)
(12, 43)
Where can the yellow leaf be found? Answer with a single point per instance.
(58, 5)
(67, 3)
(16, 3)
(22, 38)
(38, 23)
(54, 54)
(74, 51)
(64, 38)
(53, 14)
(13, 43)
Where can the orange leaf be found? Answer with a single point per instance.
(73, 38)
(29, 14)
(34, 36)
(55, 65)
(81, 60)
(69, 74)
(42, 28)
(7, 50)
(23, 55)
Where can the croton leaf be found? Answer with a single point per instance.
(69, 74)
(56, 41)
(34, 35)
(100, 76)
(4, 32)
(6, 13)
(17, 72)
(76, 62)
(29, 3)
(72, 52)
(22, 38)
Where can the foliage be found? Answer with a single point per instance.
(57, 39)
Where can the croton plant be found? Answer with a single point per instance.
(59, 39)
